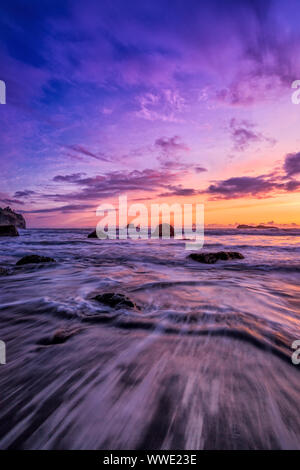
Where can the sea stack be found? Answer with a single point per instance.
(8, 231)
(10, 217)
(95, 234)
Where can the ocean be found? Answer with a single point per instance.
(204, 363)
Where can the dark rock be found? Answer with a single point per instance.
(211, 258)
(3, 272)
(34, 259)
(115, 300)
(9, 217)
(164, 231)
(243, 226)
(93, 234)
(59, 337)
(8, 231)
(267, 227)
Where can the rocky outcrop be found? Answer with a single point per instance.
(93, 234)
(115, 300)
(211, 258)
(161, 231)
(262, 227)
(164, 231)
(8, 231)
(30, 259)
(9, 217)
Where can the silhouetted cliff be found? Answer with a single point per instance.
(9, 217)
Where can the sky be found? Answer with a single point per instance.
(182, 101)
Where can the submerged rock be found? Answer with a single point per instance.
(3, 271)
(8, 231)
(29, 259)
(211, 258)
(10, 217)
(115, 300)
(59, 337)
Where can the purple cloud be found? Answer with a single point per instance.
(82, 150)
(26, 193)
(170, 152)
(292, 164)
(199, 169)
(242, 186)
(243, 134)
(73, 178)
(171, 144)
(12, 201)
(292, 185)
(64, 209)
(165, 105)
(258, 186)
(112, 184)
(178, 190)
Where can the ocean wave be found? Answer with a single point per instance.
(205, 320)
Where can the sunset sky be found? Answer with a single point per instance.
(165, 101)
